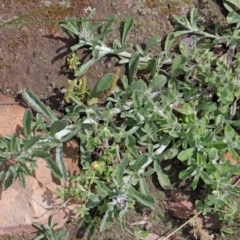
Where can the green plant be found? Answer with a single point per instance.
(93, 37)
(48, 232)
(19, 154)
(184, 110)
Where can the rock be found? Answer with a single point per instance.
(37, 201)
(11, 115)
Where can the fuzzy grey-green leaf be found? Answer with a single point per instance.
(126, 29)
(186, 154)
(102, 85)
(27, 120)
(145, 200)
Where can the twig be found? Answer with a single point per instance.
(176, 230)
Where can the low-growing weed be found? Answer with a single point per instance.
(185, 109)
(48, 233)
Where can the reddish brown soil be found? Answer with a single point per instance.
(32, 54)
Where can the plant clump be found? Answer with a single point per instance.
(178, 105)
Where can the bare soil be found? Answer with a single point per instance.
(33, 52)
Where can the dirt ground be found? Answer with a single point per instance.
(33, 54)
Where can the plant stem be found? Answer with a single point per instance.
(176, 230)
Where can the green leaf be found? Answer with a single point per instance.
(178, 66)
(194, 18)
(182, 32)
(96, 27)
(147, 201)
(144, 187)
(231, 5)
(137, 86)
(184, 108)
(80, 71)
(126, 47)
(186, 173)
(168, 43)
(35, 102)
(14, 143)
(186, 154)
(60, 163)
(94, 201)
(152, 66)
(120, 171)
(229, 132)
(70, 24)
(105, 221)
(133, 66)
(40, 237)
(105, 190)
(207, 106)
(169, 154)
(30, 142)
(136, 99)
(54, 168)
(163, 178)
(184, 49)
(102, 85)
(220, 145)
(51, 221)
(57, 126)
(125, 82)
(41, 154)
(8, 180)
(22, 178)
(126, 29)
(154, 40)
(86, 22)
(106, 28)
(157, 82)
(140, 163)
(27, 120)
(233, 108)
(52, 165)
(38, 226)
(213, 154)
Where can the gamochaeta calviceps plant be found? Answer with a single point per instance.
(185, 109)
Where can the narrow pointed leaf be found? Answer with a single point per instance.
(60, 163)
(58, 126)
(29, 143)
(163, 178)
(106, 28)
(36, 103)
(14, 143)
(147, 201)
(54, 168)
(126, 29)
(27, 120)
(120, 171)
(133, 66)
(105, 221)
(8, 179)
